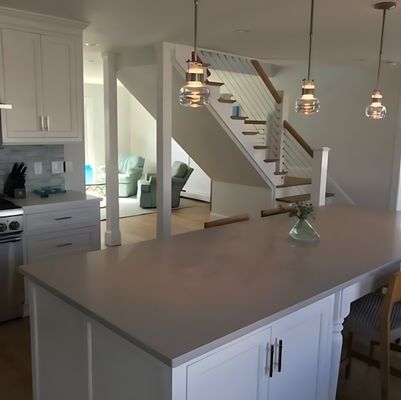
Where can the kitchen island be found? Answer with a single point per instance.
(238, 312)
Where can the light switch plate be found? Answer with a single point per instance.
(57, 167)
(38, 168)
(68, 166)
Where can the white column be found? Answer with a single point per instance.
(164, 128)
(319, 176)
(112, 235)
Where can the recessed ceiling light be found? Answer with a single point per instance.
(89, 44)
(391, 63)
(242, 31)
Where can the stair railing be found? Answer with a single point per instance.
(248, 89)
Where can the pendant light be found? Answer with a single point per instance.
(195, 93)
(308, 103)
(376, 109)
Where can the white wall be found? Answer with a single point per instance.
(136, 135)
(230, 199)
(361, 159)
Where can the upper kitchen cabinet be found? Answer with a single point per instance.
(41, 77)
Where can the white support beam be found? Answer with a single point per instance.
(164, 128)
(319, 176)
(112, 235)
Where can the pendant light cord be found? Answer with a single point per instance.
(310, 35)
(381, 50)
(195, 55)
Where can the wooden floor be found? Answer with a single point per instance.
(143, 227)
(15, 362)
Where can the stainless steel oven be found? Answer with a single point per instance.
(11, 257)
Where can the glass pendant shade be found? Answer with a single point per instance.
(376, 110)
(194, 93)
(308, 103)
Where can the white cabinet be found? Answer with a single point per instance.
(301, 359)
(288, 360)
(61, 230)
(237, 372)
(42, 78)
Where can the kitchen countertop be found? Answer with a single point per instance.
(188, 294)
(33, 201)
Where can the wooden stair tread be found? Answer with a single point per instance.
(228, 101)
(299, 197)
(239, 117)
(255, 122)
(211, 83)
(267, 160)
(281, 173)
(294, 181)
(260, 147)
(250, 132)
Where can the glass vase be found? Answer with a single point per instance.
(304, 231)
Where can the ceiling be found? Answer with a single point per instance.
(346, 31)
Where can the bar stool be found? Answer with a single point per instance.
(377, 317)
(226, 221)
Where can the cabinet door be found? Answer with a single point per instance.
(305, 354)
(22, 85)
(59, 67)
(237, 372)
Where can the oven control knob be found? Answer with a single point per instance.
(14, 225)
(3, 227)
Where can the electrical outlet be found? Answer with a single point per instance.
(57, 167)
(38, 168)
(68, 166)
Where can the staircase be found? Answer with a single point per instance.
(250, 109)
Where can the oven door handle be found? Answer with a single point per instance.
(11, 239)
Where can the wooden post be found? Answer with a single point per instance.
(164, 128)
(319, 176)
(112, 235)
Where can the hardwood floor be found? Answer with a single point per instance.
(15, 362)
(143, 227)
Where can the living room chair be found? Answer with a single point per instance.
(147, 187)
(130, 171)
(377, 317)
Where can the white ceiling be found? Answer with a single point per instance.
(345, 30)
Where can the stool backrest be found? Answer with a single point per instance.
(226, 221)
(392, 296)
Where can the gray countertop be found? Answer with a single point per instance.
(33, 201)
(188, 294)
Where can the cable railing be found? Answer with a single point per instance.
(242, 81)
(297, 155)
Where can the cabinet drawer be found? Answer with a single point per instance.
(47, 245)
(62, 219)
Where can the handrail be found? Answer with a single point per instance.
(261, 72)
(298, 137)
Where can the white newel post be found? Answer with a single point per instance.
(164, 128)
(319, 176)
(112, 235)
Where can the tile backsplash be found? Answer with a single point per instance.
(30, 154)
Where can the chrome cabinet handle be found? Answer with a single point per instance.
(42, 123)
(271, 361)
(62, 218)
(64, 245)
(47, 123)
(280, 355)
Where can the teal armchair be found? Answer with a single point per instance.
(147, 187)
(130, 170)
